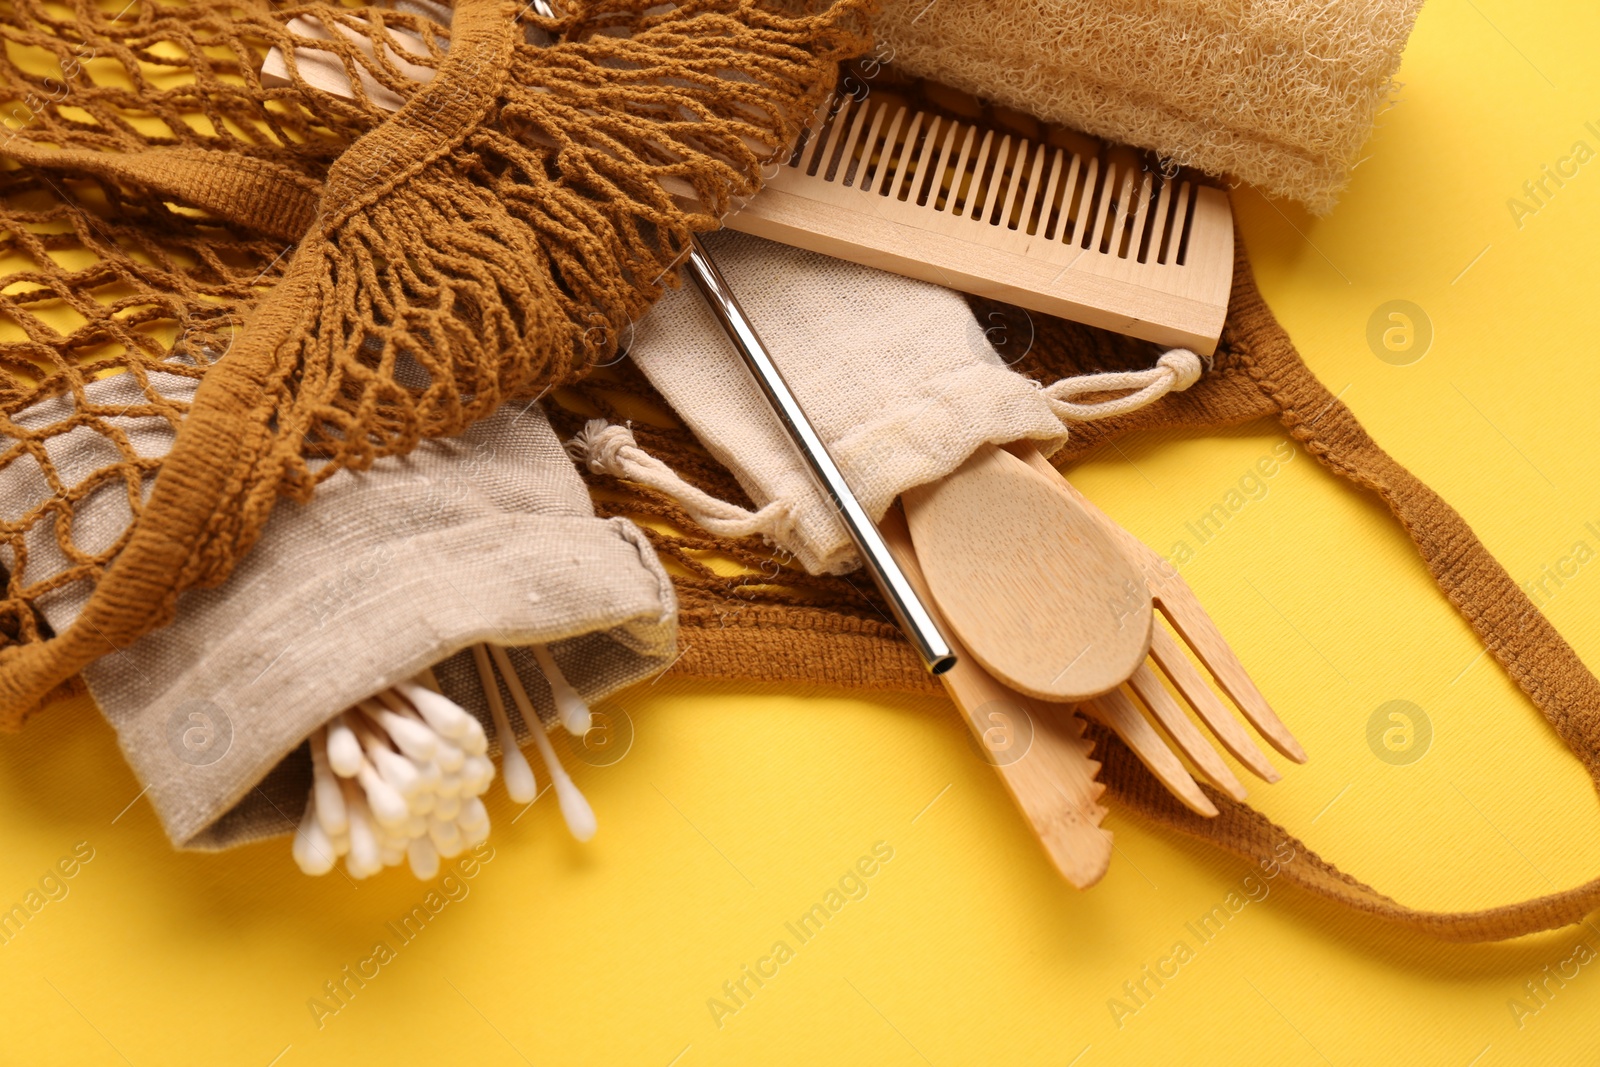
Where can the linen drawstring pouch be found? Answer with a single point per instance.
(792, 627)
(489, 536)
(896, 375)
(341, 281)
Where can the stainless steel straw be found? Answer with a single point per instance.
(908, 610)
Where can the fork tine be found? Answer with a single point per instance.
(1182, 609)
(1117, 711)
(1183, 732)
(1165, 651)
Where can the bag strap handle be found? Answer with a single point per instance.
(1511, 627)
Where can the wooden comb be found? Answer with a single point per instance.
(1080, 235)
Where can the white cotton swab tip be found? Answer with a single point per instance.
(473, 813)
(446, 837)
(389, 808)
(424, 858)
(449, 757)
(440, 712)
(344, 749)
(474, 742)
(475, 836)
(575, 809)
(521, 786)
(476, 775)
(313, 852)
(399, 772)
(325, 788)
(447, 809)
(571, 709)
(413, 738)
(363, 859)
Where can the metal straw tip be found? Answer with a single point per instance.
(942, 664)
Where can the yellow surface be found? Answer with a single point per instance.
(739, 807)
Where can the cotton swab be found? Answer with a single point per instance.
(388, 788)
(312, 849)
(424, 858)
(328, 800)
(438, 711)
(571, 709)
(399, 776)
(344, 750)
(574, 808)
(521, 786)
(412, 737)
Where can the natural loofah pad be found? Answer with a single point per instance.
(1280, 95)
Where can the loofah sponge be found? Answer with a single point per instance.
(1281, 95)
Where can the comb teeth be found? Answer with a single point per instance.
(957, 169)
(1087, 236)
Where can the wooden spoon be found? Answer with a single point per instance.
(1049, 772)
(1029, 580)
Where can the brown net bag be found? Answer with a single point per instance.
(341, 281)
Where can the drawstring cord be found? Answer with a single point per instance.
(1175, 371)
(608, 448)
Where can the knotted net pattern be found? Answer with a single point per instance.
(332, 281)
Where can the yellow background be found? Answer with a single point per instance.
(738, 806)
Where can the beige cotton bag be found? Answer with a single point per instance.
(489, 536)
(899, 379)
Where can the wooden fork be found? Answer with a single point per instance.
(1053, 781)
(1120, 710)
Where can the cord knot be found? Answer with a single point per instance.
(1186, 367)
(599, 446)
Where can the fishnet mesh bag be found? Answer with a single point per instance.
(333, 280)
